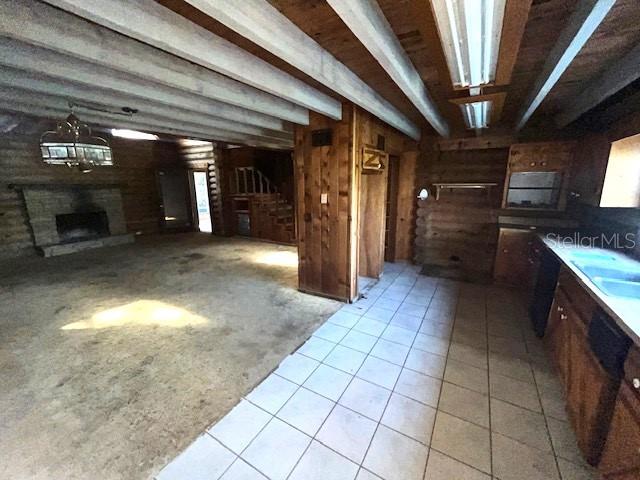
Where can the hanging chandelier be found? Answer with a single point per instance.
(72, 144)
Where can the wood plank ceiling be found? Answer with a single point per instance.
(413, 24)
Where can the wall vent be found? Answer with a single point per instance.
(321, 138)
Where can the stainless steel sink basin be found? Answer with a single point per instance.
(592, 255)
(617, 279)
(594, 271)
(618, 288)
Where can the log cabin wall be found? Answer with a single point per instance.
(327, 237)
(457, 234)
(20, 162)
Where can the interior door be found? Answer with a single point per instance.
(175, 206)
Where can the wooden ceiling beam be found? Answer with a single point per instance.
(46, 26)
(153, 24)
(614, 78)
(516, 13)
(368, 23)
(48, 106)
(579, 28)
(476, 143)
(41, 84)
(422, 12)
(264, 25)
(40, 24)
(63, 67)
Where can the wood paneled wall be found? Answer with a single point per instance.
(373, 197)
(459, 231)
(326, 233)
(334, 238)
(20, 162)
(406, 205)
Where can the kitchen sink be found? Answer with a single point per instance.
(618, 288)
(592, 255)
(613, 279)
(594, 271)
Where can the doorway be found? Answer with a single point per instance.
(174, 199)
(201, 205)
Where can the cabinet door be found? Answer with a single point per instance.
(590, 393)
(621, 455)
(541, 156)
(514, 263)
(557, 336)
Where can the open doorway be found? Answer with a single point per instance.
(201, 206)
(372, 223)
(174, 200)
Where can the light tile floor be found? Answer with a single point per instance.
(424, 379)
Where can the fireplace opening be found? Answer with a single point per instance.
(75, 227)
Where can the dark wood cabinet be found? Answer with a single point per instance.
(591, 393)
(621, 455)
(557, 335)
(590, 390)
(538, 176)
(542, 156)
(515, 262)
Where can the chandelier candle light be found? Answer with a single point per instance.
(72, 144)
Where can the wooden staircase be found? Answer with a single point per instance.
(271, 217)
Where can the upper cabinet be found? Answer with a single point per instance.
(538, 175)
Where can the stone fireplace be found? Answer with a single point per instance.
(69, 218)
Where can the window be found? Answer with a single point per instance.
(622, 180)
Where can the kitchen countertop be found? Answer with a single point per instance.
(625, 311)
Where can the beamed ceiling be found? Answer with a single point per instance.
(414, 25)
(142, 70)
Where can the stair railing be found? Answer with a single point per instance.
(250, 180)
